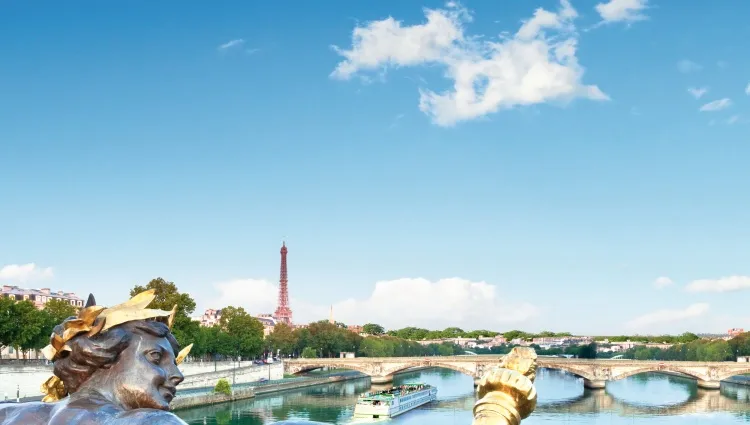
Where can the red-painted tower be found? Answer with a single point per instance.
(283, 312)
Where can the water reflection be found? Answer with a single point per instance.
(646, 398)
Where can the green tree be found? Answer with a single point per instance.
(28, 324)
(510, 335)
(587, 351)
(244, 332)
(453, 333)
(59, 310)
(283, 339)
(309, 353)
(373, 329)
(327, 338)
(167, 296)
(222, 386)
(740, 345)
(687, 337)
(303, 339)
(6, 322)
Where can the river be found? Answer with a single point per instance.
(642, 399)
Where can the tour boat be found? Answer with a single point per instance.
(395, 401)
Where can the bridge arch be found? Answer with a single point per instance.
(439, 365)
(307, 367)
(735, 372)
(657, 369)
(571, 369)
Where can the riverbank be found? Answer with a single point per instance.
(206, 396)
(739, 380)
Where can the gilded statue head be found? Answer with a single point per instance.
(118, 363)
(134, 361)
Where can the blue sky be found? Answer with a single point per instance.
(185, 140)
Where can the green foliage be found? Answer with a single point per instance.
(223, 387)
(658, 339)
(331, 339)
(740, 345)
(6, 322)
(26, 328)
(167, 294)
(309, 353)
(59, 310)
(242, 333)
(282, 339)
(703, 350)
(373, 329)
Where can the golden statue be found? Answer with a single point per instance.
(112, 366)
(507, 394)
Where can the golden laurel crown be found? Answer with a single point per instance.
(95, 319)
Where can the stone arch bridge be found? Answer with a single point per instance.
(595, 372)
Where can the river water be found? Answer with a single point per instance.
(650, 398)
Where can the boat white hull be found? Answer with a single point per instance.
(403, 405)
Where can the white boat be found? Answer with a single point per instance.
(395, 401)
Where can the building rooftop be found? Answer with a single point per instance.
(15, 290)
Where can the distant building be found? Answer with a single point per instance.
(40, 296)
(357, 329)
(346, 355)
(210, 318)
(735, 332)
(269, 323)
(498, 340)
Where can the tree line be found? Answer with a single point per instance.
(414, 333)
(418, 334)
(702, 350)
(324, 339)
(584, 351)
(25, 328)
(238, 334)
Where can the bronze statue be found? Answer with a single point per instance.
(507, 394)
(112, 366)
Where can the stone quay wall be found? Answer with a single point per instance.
(27, 378)
(204, 399)
(238, 376)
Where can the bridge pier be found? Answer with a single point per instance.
(381, 379)
(709, 385)
(594, 384)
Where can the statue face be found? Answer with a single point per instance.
(145, 375)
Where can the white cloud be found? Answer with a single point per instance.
(716, 105)
(662, 282)
(622, 10)
(697, 92)
(733, 119)
(231, 43)
(747, 89)
(686, 66)
(724, 284)
(525, 68)
(666, 316)
(25, 272)
(393, 304)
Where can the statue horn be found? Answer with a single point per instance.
(91, 301)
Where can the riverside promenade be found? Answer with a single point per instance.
(26, 378)
(205, 396)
